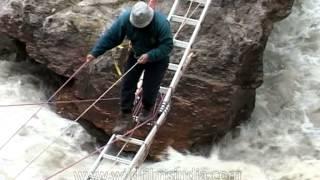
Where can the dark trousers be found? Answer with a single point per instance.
(153, 75)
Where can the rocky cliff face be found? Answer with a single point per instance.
(216, 93)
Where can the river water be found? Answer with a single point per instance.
(279, 143)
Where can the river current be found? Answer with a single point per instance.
(280, 142)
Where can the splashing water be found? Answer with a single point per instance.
(288, 100)
(19, 86)
(277, 144)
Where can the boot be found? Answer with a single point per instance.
(144, 116)
(123, 124)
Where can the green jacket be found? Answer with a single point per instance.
(155, 39)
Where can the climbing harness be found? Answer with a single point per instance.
(120, 49)
(117, 67)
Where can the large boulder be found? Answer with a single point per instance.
(216, 93)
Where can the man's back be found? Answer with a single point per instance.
(154, 39)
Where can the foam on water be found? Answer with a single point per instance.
(16, 87)
(289, 98)
(275, 145)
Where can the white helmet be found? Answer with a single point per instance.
(141, 15)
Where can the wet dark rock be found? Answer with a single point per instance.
(12, 49)
(216, 93)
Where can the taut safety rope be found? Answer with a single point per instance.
(40, 108)
(187, 15)
(92, 153)
(56, 102)
(92, 105)
(76, 120)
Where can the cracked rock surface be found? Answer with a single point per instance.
(216, 93)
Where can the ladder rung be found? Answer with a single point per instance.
(130, 140)
(117, 159)
(181, 44)
(173, 67)
(163, 90)
(182, 19)
(200, 1)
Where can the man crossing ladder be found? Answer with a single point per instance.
(151, 38)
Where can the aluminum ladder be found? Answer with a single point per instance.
(178, 70)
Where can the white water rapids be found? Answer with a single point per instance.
(272, 146)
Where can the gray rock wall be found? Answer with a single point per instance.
(216, 93)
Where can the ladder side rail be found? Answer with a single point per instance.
(147, 142)
(140, 82)
(98, 161)
(198, 26)
(171, 13)
(163, 115)
(165, 104)
(175, 80)
(141, 152)
(173, 9)
(134, 161)
(183, 63)
(185, 60)
(178, 74)
(155, 128)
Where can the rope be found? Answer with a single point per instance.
(122, 149)
(185, 17)
(91, 154)
(138, 126)
(139, 105)
(76, 120)
(56, 102)
(40, 108)
(131, 131)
